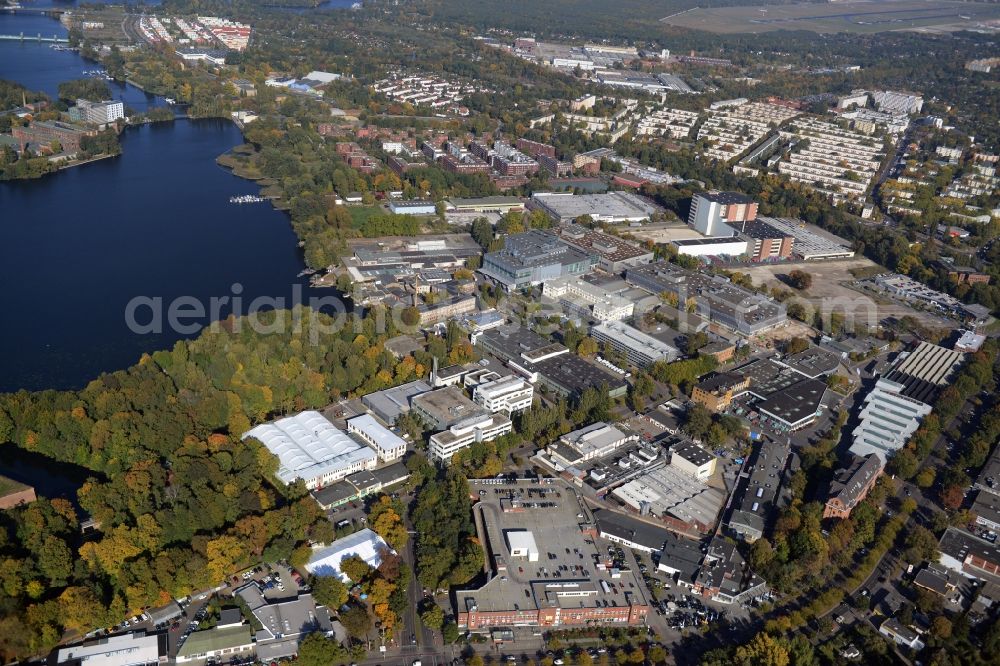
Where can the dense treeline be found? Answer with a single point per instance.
(91, 89)
(180, 500)
(448, 552)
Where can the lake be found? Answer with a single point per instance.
(77, 246)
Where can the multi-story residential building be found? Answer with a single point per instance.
(588, 300)
(507, 395)
(641, 349)
(510, 161)
(851, 485)
(711, 211)
(535, 149)
(533, 258)
(673, 123)
(731, 131)
(836, 161)
(554, 167)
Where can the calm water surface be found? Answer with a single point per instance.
(77, 246)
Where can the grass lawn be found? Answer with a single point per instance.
(359, 214)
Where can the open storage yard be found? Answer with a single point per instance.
(831, 288)
(859, 17)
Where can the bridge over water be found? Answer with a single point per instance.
(34, 38)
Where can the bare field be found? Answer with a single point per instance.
(863, 16)
(830, 291)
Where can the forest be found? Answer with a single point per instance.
(181, 502)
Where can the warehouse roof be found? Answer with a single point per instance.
(381, 437)
(631, 529)
(365, 544)
(925, 370)
(308, 445)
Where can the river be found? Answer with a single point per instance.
(77, 246)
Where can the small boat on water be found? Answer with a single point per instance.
(246, 198)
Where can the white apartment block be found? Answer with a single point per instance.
(507, 395)
(673, 123)
(731, 131)
(443, 445)
(588, 299)
(829, 157)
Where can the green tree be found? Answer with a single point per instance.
(318, 650)
(432, 617)
(329, 591)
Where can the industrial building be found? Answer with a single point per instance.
(390, 403)
(360, 485)
(132, 649)
(640, 349)
(765, 242)
(716, 298)
(532, 258)
(760, 490)
(711, 211)
(901, 399)
(569, 375)
(497, 204)
(521, 592)
(808, 244)
(442, 446)
(444, 407)
(851, 485)
(795, 406)
(388, 445)
(589, 443)
(614, 254)
(585, 299)
(610, 207)
(716, 392)
(507, 395)
(310, 448)
(364, 544)
(221, 643)
(680, 500)
(716, 246)
(412, 207)
(630, 532)
(692, 459)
